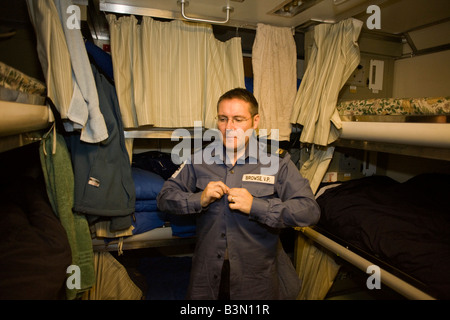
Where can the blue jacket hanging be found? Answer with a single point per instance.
(104, 184)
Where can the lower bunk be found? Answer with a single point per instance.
(158, 237)
(150, 227)
(395, 232)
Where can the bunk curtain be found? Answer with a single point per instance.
(170, 74)
(317, 268)
(112, 281)
(53, 53)
(65, 64)
(274, 62)
(334, 56)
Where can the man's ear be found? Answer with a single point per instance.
(255, 121)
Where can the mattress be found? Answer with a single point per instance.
(13, 79)
(403, 225)
(393, 106)
(150, 226)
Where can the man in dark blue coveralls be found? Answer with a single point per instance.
(241, 204)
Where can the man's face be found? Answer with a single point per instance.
(235, 122)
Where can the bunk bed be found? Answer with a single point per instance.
(29, 227)
(25, 118)
(421, 132)
(415, 122)
(150, 227)
(400, 227)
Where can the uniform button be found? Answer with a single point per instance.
(231, 171)
(223, 235)
(219, 256)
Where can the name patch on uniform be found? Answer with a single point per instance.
(259, 178)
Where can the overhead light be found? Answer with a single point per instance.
(291, 8)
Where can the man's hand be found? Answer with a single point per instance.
(240, 199)
(213, 191)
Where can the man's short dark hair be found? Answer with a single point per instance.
(243, 94)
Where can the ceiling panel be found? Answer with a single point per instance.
(246, 13)
(400, 16)
(423, 23)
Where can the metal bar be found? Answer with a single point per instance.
(417, 134)
(140, 11)
(395, 148)
(228, 8)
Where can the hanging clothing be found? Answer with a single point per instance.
(84, 103)
(170, 74)
(274, 61)
(65, 63)
(335, 54)
(59, 179)
(102, 59)
(104, 184)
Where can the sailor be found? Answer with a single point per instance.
(241, 204)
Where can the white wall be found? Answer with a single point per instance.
(422, 76)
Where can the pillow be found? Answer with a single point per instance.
(146, 205)
(146, 183)
(146, 221)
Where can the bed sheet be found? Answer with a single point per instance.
(404, 224)
(393, 106)
(14, 79)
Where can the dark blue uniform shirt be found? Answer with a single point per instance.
(282, 199)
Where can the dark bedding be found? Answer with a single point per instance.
(407, 225)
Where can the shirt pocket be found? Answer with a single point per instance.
(202, 181)
(259, 190)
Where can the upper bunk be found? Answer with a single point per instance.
(409, 126)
